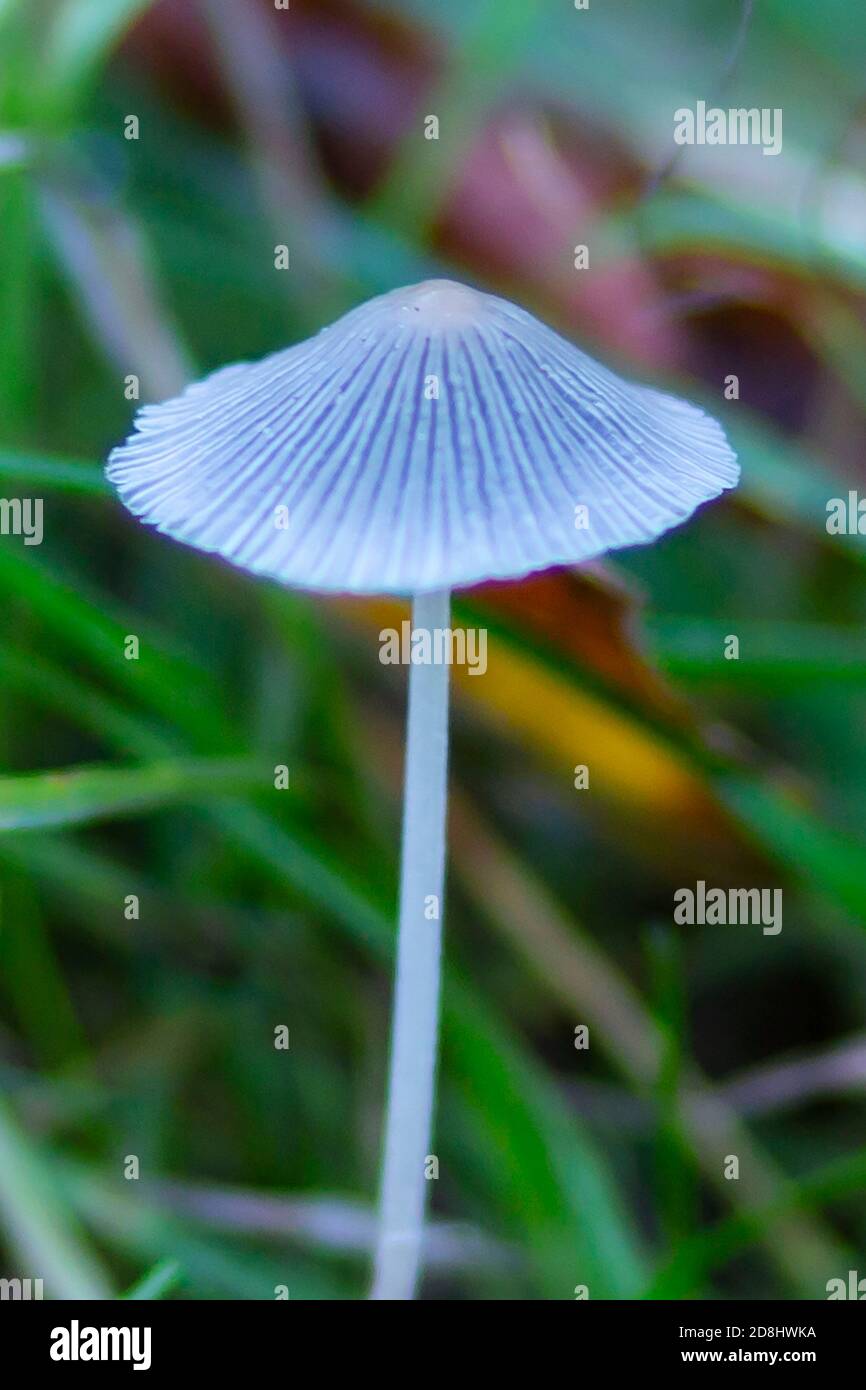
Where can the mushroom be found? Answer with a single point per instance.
(433, 438)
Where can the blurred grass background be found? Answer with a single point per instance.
(153, 1036)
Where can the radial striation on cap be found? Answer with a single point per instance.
(432, 438)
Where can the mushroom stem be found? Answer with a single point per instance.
(408, 1122)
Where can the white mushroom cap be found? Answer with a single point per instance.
(432, 438)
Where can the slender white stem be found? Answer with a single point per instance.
(408, 1124)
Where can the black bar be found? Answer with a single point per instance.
(230, 1337)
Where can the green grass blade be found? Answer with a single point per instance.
(824, 858)
(710, 1250)
(58, 474)
(159, 1281)
(773, 653)
(79, 40)
(40, 1229)
(76, 795)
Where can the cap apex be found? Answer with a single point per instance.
(439, 303)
